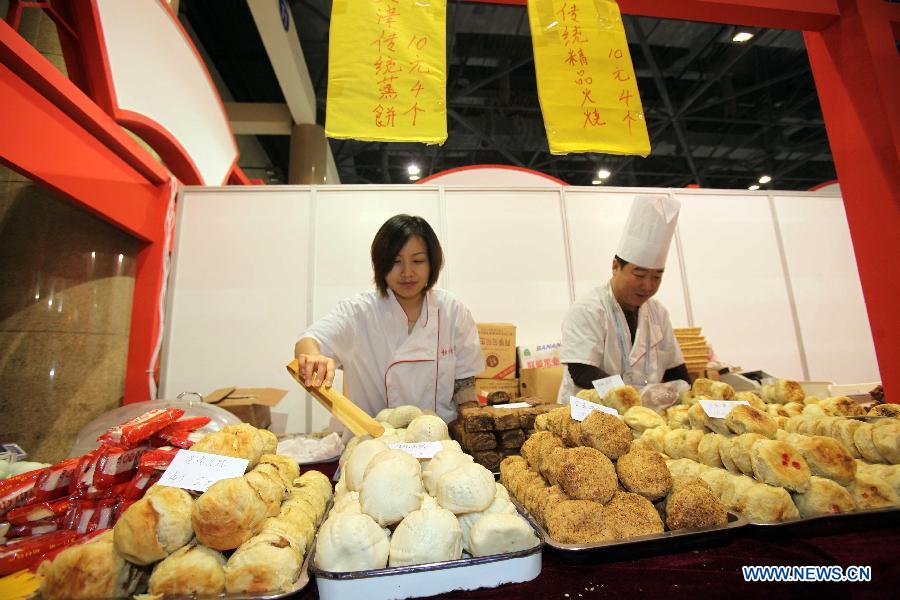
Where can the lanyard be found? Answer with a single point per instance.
(612, 306)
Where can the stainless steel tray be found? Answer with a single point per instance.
(434, 578)
(826, 524)
(668, 542)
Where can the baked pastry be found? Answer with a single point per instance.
(154, 526)
(862, 437)
(429, 534)
(871, 491)
(725, 448)
(571, 432)
(655, 437)
(825, 425)
(427, 428)
(317, 480)
(884, 410)
(740, 451)
(240, 441)
(779, 464)
(719, 390)
(606, 433)
(733, 489)
(498, 533)
(824, 497)
(814, 410)
(538, 446)
(702, 387)
(641, 418)
(754, 400)
(270, 441)
(266, 481)
(689, 445)
(708, 450)
(766, 503)
(467, 488)
(553, 463)
(827, 458)
(228, 514)
(191, 570)
(577, 522)
(842, 406)
(266, 562)
(783, 391)
(673, 442)
(886, 437)
(716, 479)
(348, 542)
(89, 570)
(587, 474)
(622, 398)
(746, 419)
(298, 513)
(845, 429)
(684, 467)
(677, 416)
(692, 504)
(644, 472)
(630, 515)
(792, 408)
(288, 469)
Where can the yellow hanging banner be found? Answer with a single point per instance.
(586, 83)
(387, 71)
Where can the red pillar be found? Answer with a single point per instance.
(857, 73)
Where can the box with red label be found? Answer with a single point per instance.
(498, 345)
(539, 356)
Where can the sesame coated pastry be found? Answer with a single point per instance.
(587, 474)
(606, 433)
(630, 515)
(692, 504)
(644, 472)
(577, 522)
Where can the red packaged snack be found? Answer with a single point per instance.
(158, 459)
(32, 529)
(189, 424)
(26, 515)
(115, 465)
(18, 492)
(142, 480)
(80, 514)
(29, 552)
(103, 515)
(172, 437)
(54, 481)
(83, 474)
(141, 427)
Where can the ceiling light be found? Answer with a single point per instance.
(414, 178)
(413, 169)
(603, 174)
(765, 179)
(596, 182)
(742, 36)
(753, 187)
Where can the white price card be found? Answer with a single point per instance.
(581, 408)
(418, 449)
(719, 409)
(198, 470)
(513, 405)
(607, 383)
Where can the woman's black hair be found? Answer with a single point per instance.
(391, 238)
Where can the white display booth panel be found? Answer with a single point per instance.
(736, 283)
(771, 280)
(595, 223)
(508, 258)
(825, 284)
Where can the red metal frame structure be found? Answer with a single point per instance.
(57, 135)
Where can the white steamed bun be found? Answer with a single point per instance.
(427, 428)
(429, 534)
(351, 542)
(465, 489)
(391, 487)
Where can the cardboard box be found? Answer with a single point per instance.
(539, 355)
(250, 405)
(483, 387)
(541, 383)
(498, 345)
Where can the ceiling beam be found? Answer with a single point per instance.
(484, 138)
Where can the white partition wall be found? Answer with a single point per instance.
(771, 279)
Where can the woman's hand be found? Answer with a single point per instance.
(316, 369)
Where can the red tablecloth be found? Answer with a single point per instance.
(713, 572)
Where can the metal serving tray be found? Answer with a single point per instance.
(881, 518)
(431, 579)
(668, 542)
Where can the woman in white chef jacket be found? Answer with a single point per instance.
(404, 342)
(618, 328)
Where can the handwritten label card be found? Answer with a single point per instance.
(582, 408)
(719, 409)
(198, 470)
(513, 405)
(607, 383)
(418, 449)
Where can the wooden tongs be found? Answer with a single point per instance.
(339, 405)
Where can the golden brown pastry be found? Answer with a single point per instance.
(655, 437)
(842, 406)
(606, 433)
(827, 458)
(716, 479)
(862, 437)
(553, 463)
(719, 390)
(702, 387)
(766, 503)
(577, 522)
(845, 429)
(673, 442)
(708, 450)
(240, 441)
(537, 446)
(779, 464)
(266, 481)
(287, 467)
(630, 515)
(884, 410)
(886, 437)
(677, 417)
(641, 418)
(622, 398)
(871, 491)
(266, 562)
(154, 526)
(725, 448)
(191, 570)
(587, 474)
(692, 504)
(270, 441)
(228, 514)
(824, 497)
(645, 473)
(754, 400)
(746, 419)
(783, 391)
(90, 570)
(825, 425)
(733, 489)
(740, 451)
(571, 433)
(792, 408)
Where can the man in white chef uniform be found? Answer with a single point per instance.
(618, 328)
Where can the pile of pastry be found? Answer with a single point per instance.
(491, 433)
(770, 467)
(392, 509)
(244, 534)
(587, 483)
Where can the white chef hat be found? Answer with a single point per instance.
(649, 230)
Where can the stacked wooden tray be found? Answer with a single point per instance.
(693, 346)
